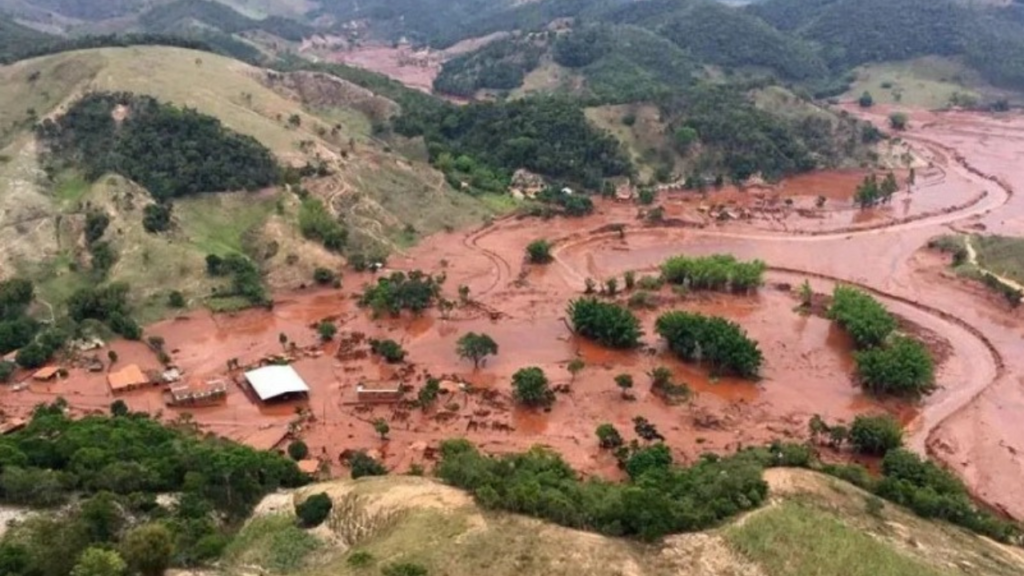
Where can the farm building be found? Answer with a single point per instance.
(128, 378)
(47, 373)
(384, 392)
(276, 383)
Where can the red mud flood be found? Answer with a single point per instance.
(971, 423)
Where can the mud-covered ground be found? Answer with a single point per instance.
(968, 166)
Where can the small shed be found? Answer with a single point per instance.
(45, 374)
(383, 392)
(128, 378)
(311, 467)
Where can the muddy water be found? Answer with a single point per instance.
(971, 423)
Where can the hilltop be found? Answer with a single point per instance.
(811, 523)
(303, 118)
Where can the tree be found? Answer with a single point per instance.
(118, 409)
(646, 430)
(608, 438)
(6, 370)
(903, 367)
(381, 427)
(156, 217)
(898, 121)
(464, 294)
(362, 464)
(866, 100)
(112, 356)
(428, 394)
(314, 510)
(147, 549)
(607, 323)
(575, 367)
(625, 383)
(875, 435)
(327, 330)
(99, 562)
(685, 137)
(476, 347)
(297, 450)
(32, 356)
(539, 251)
(391, 351)
(648, 458)
(630, 279)
(530, 387)
(282, 339)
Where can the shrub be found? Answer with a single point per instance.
(530, 387)
(314, 510)
(298, 450)
(176, 299)
(867, 321)
(606, 323)
(721, 343)
(391, 351)
(156, 218)
(6, 370)
(719, 272)
(902, 368)
(539, 252)
(625, 383)
(404, 569)
(324, 276)
(608, 437)
(656, 458)
(898, 121)
(363, 464)
(326, 330)
(33, 356)
(875, 435)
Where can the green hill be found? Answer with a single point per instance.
(303, 118)
(812, 524)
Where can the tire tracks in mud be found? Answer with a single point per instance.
(502, 268)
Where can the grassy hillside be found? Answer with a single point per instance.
(303, 118)
(813, 525)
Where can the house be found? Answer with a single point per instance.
(128, 378)
(276, 382)
(46, 374)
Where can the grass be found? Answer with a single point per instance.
(70, 189)
(203, 220)
(796, 539)
(928, 82)
(274, 543)
(1002, 255)
(645, 140)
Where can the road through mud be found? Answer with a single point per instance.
(968, 168)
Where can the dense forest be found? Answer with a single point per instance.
(169, 151)
(487, 141)
(109, 472)
(500, 65)
(15, 38)
(184, 14)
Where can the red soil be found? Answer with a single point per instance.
(970, 424)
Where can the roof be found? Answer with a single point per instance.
(308, 466)
(128, 377)
(273, 381)
(46, 373)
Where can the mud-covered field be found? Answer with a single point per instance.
(967, 168)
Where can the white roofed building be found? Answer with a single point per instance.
(276, 382)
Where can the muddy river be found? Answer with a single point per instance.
(968, 167)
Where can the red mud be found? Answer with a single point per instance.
(971, 423)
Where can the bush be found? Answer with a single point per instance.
(404, 569)
(902, 368)
(6, 370)
(390, 350)
(606, 323)
(327, 330)
(324, 276)
(363, 464)
(156, 218)
(721, 343)
(176, 299)
(314, 510)
(867, 321)
(33, 356)
(898, 121)
(719, 272)
(316, 223)
(530, 387)
(608, 437)
(414, 291)
(875, 435)
(297, 450)
(539, 252)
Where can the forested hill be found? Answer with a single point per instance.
(14, 36)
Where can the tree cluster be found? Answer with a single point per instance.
(604, 322)
(719, 272)
(170, 151)
(415, 291)
(316, 223)
(659, 500)
(391, 351)
(546, 135)
(886, 363)
(246, 279)
(112, 469)
(530, 387)
(17, 328)
(871, 192)
(499, 65)
(722, 344)
(108, 304)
